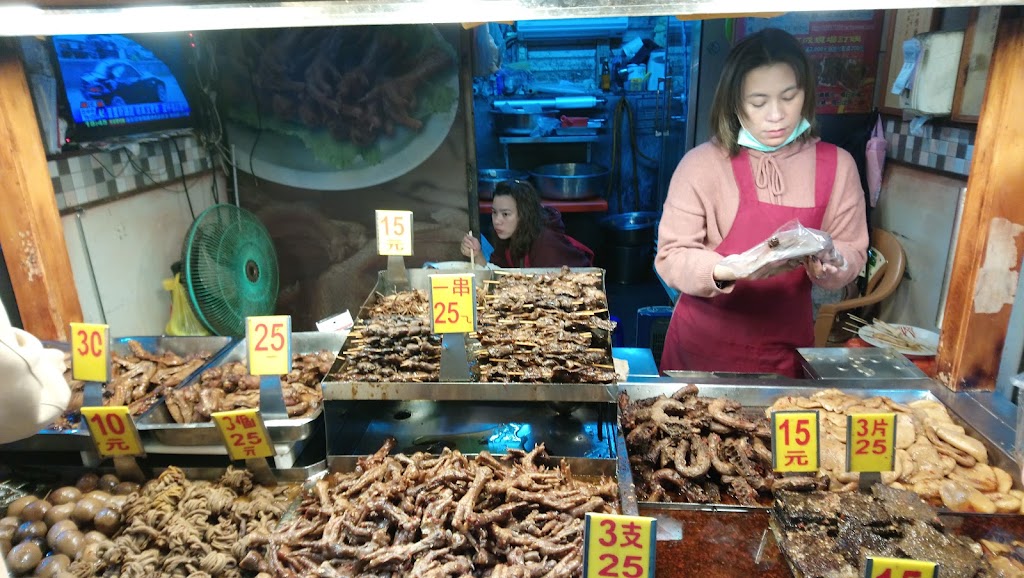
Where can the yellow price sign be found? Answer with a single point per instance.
(615, 545)
(113, 431)
(394, 233)
(244, 433)
(871, 442)
(795, 441)
(899, 568)
(90, 352)
(269, 343)
(453, 303)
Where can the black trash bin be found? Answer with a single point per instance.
(629, 246)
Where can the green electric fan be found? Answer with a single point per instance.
(229, 269)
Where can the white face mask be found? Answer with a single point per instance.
(745, 139)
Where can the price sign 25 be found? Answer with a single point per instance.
(269, 340)
(618, 546)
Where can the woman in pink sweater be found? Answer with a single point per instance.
(762, 168)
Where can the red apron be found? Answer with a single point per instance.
(757, 327)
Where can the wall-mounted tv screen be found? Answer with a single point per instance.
(116, 86)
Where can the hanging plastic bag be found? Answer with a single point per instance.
(183, 321)
(875, 156)
(785, 250)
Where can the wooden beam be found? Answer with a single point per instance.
(31, 233)
(991, 239)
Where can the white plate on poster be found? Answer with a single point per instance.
(921, 342)
(285, 159)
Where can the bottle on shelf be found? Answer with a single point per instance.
(606, 75)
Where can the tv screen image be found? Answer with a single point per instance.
(115, 82)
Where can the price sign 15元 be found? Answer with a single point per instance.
(244, 433)
(113, 431)
(394, 233)
(453, 303)
(795, 441)
(621, 546)
(878, 567)
(269, 344)
(90, 352)
(871, 442)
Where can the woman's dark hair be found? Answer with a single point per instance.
(765, 48)
(531, 220)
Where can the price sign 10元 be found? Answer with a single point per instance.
(394, 233)
(795, 441)
(618, 546)
(90, 352)
(113, 431)
(269, 344)
(453, 303)
(871, 442)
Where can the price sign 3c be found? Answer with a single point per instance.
(90, 352)
(269, 344)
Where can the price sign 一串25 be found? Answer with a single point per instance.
(453, 303)
(90, 352)
(795, 441)
(269, 344)
(394, 233)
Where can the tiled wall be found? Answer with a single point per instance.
(84, 179)
(943, 148)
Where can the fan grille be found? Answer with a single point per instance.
(229, 269)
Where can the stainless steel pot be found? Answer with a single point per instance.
(517, 123)
(487, 179)
(631, 229)
(570, 181)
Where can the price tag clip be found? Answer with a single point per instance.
(397, 275)
(272, 397)
(454, 358)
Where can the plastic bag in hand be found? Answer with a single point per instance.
(785, 250)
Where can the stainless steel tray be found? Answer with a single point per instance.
(585, 437)
(760, 397)
(159, 423)
(56, 475)
(869, 363)
(459, 391)
(77, 438)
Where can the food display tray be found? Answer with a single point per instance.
(584, 436)
(869, 363)
(77, 438)
(159, 424)
(760, 397)
(467, 391)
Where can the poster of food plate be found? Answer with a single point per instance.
(336, 108)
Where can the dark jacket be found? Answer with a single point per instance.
(553, 248)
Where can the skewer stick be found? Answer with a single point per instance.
(855, 318)
(604, 366)
(472, 255)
